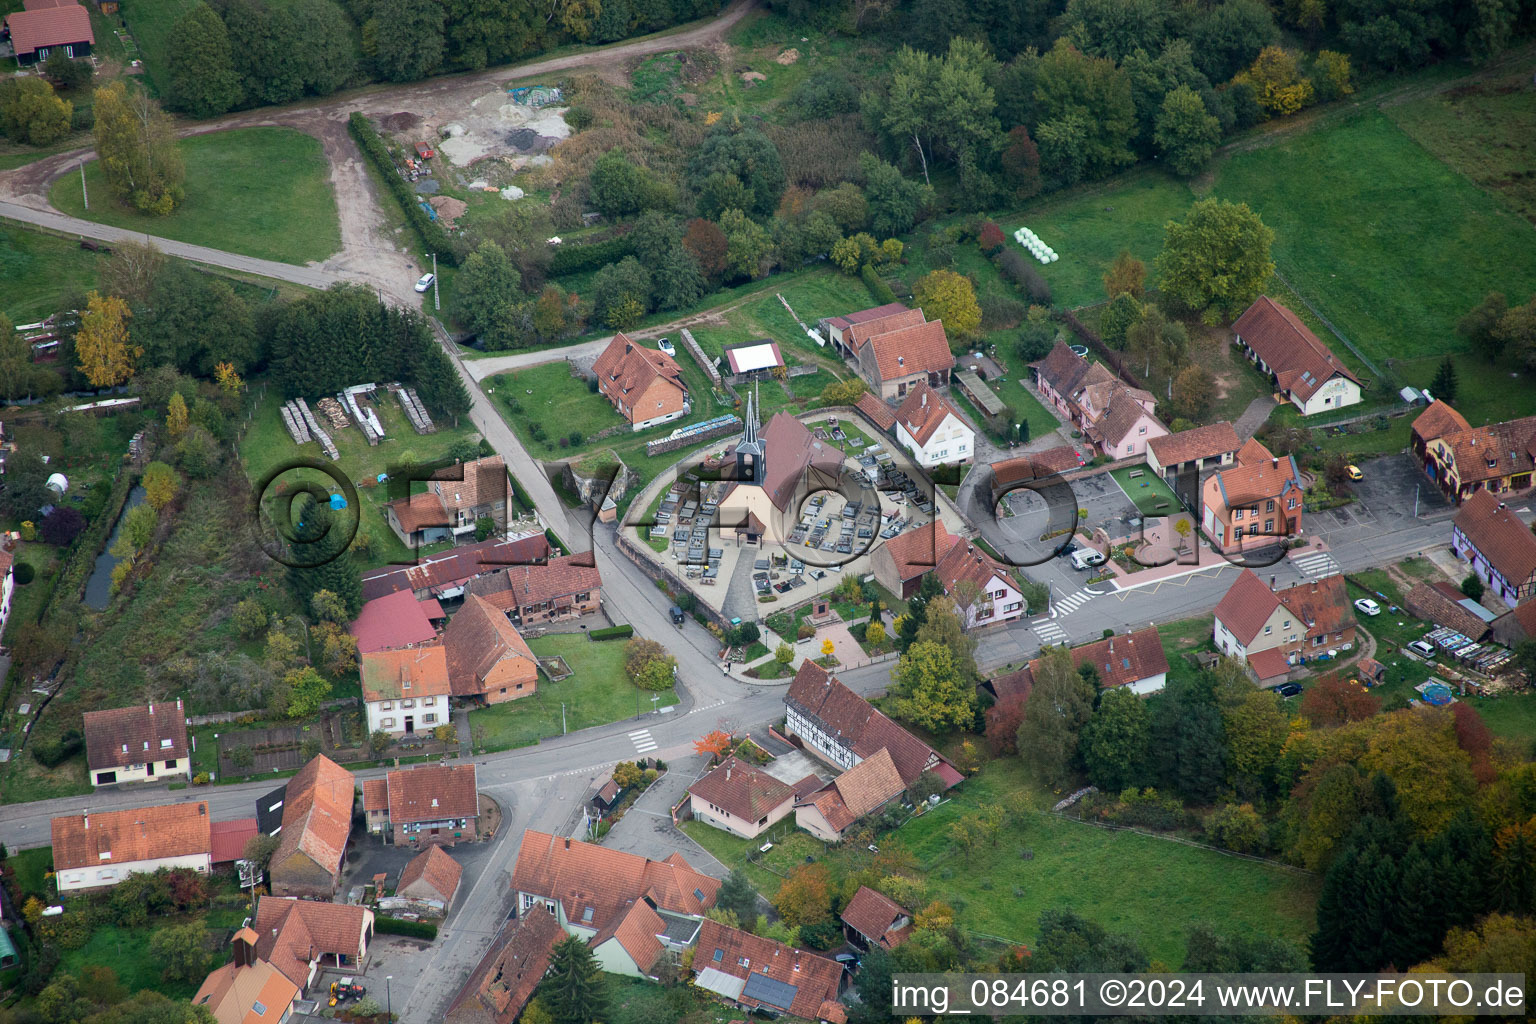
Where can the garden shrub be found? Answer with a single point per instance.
(397, 926)
(612, 633)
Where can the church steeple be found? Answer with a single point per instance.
(749, 452)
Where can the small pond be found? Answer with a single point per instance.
(98, 589)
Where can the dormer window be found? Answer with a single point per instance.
(167, 744)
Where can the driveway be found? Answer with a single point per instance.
(646, 828)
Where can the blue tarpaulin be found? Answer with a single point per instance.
(338, 502)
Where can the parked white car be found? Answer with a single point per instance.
(1085, 557)
(1367, 607)
(425, 282)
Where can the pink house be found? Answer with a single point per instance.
(1116, 417)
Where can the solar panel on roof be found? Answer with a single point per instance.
(769, 991)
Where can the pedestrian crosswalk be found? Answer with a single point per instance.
(1049, 633)
(1072, 602)
(642, 740)
(1316, 566)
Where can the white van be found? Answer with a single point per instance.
(1082, 558)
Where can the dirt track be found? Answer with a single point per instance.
(368, 252)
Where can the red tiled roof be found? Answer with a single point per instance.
(1122, 660)
(637, 930)
(923, 412)
(317, 814)
(1493, 452)
(438, 871)
(455, 567)
(584, 877)
(866, 787)
(923, 348)
(1013, 686)
(874, 915)
(1062, 369)
(1431, 605)
(815, 980)
(1121, 414)
(1246, 606)
(1268, 664)
(1437, 420)
(1200, 443)
(292, 931)
(375, 795)
(795, 451)
(856, 722)
(135, 735)
(522, 585)
(1061, 459)
(626, 368)
(229, 838)
(857, 334)
(922, 549)
(878, 412)
(433, 792)
(395, 621)
(125, 837)
(452, 488)
(415, 672)
(35, 28)
(1257, 476)
(864, 315)
(504, 981)
(739, 788)
(1524, 618)
(1298, 358)
(479, 637)
(1499, 535)
(968, 563)
(1322, 604)
(233, 993)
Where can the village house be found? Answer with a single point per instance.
(901, 562)
(897, 360)
(1273, 631)
(97, 850)
(298, 937)
(488, 660)
(873, 920)
(503, 982)
(427, 804)
(631, 910)
(395, 621)
(1133, 660)
(829, 812)
(432, 876)
(248, 989)
(1254, 504)
(454, 501)
(565, 588)
(757, 973)
(1116, 417)
(317, 820)
(1301, 367)
(931, 430)
(741, 798)
(983, 591)
(842, 728)
(1498, 545)
(839, 329)
(404, 691)
(445, 574)
(1193, 452)
(644, 385)
(44, 26)
(1462, 460)
(144, 743)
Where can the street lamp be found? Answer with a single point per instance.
(389, 1005)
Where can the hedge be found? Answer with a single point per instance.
(573, 259)
(398, 926)
(433, 237)
(554, 542)
(52, 753)
(613, 633)
(878, 289)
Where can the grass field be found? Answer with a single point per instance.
(1396, 246)
(267, 445)
(1481, 129)
(597, 692)
(263, 192)
(38, 271)
(1146, 491)
(1150, 888)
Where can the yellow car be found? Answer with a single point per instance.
(1354, 472)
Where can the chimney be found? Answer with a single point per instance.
(727, 773)
(245, 953)
(1274, 463)
(567, 844)
(151, 709)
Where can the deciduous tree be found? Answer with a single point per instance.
(403, 39)
(950, 297)
(160, 484)
(1217, 261)
(716, 744)
(1193, 391)
(1114, 741)
(180, 951)
(1059, 705)
(933, 692)
(1186, 132)
(1127, 275)
(137, 146)
(102, 345)
(31, 113)
(201, 64)
(805, 897)
(1333, 701)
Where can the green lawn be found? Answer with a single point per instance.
(30, 867)
(1391, 243)
(1147, 491)
(267, 445)
(38, 271)
(596, 692)
(263, 192)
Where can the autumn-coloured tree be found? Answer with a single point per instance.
(1332, 700)
(1003, 726)
(160, 484)
(874, 634)
(1277, 83)
(1474, 736)
(1126, 276)
(965, 833)
(707, 243)
(827, 647)
(716, 744)
(176, 415)
(991, 238)
(228, 378)
(102, 345)
(805, 897)
(950, 297)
